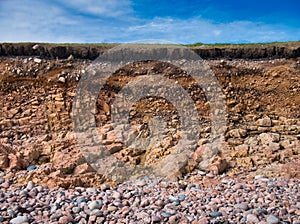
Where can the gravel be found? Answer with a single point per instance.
(152, 200)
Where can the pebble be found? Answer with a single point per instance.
(37, 60)
(30, 185)
(243, 206)
(76, 210)
(30, 168)
(112, 208)
(95, 204)
(215, 214)
(19, 220)
(272, 219)
(155, 202)
(166, 214)
(252, 218)
(62, 79)
(117, 195)
(10, 213)
(66, 219)
(155, 218)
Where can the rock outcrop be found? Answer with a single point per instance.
(36, 129)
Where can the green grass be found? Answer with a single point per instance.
(202, 45)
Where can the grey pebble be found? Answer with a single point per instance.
(272, 219)
(19, 220)
(95, 204)
(10, 212)
(166, 214)
(215, 214)
(76, 210)
(252, 218)
(155, 218)
(242, 206)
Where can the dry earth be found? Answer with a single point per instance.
(37, 139)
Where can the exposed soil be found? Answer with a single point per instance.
(263, 118)
(92, 51)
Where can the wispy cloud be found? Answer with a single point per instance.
(116, 21)
(111, 8)
(200, 30)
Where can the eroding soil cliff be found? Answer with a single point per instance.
(36, 133)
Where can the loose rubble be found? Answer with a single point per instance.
(152, 200)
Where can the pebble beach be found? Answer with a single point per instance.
(152, 200)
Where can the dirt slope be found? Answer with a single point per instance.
(263, 124)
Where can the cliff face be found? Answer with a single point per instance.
(262, 99)
(90, 51)
(249, 52)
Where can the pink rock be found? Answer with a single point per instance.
(83, 168)
(252, 218)
(66, 219)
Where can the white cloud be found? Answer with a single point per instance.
(34, 21)
(108, 8)
(200, 30)
(113, 21)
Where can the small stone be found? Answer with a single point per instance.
(66, 219)
(238, 186)
(166, 214)
(33, 167)
(96, 212)
(190, 218)
(155, 219)
(172, 198)
(117, 195)
(264, 122)
(252, 218)
(144, 202)
(62, 79)
(111, 208)
(30, 185)
(37, 60)
(70, 58)
(242, 206)
(215, 214)
(81, 200)
(95, 205)
(19, 220)
(182, 197)
(259, 177)
(10, 212)
(272, 219)
(267, 138)
(76, 210)
(5, 185)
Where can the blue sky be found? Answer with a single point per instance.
(173, 21)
